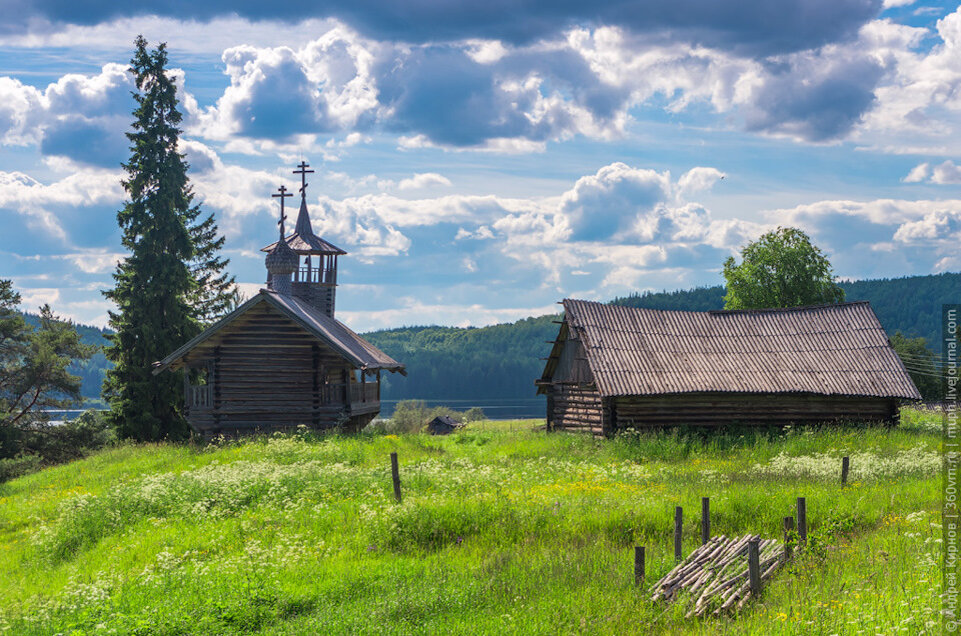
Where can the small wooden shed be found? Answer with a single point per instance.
(614, 367)
(282, 360)
(442, 425)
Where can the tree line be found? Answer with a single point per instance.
(502, 361)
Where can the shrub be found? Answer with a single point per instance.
(89, 430)
(44, 444)
(474, 414)
(72, 439)
(410, 416)
(22, 464)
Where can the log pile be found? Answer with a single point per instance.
(715, 576)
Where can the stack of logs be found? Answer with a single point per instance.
(717, 574)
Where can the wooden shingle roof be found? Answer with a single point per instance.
(830, 349)
(340, 336)
(303, 240)
(330, 331)
(308, 244)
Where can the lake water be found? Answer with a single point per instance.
(519, 408)
(57, 416)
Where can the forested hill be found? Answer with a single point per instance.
(502, 361)
(91, 371)
(448, 363)
(910, 305)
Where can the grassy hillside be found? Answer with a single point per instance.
(503, 529)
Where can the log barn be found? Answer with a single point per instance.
(443, 425)
(282, 359)
(612, 368)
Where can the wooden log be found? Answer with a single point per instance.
(731, 598)
(706, 576)
(638, 565)
(732, 580)
(687, 568)
(788, 537)
(802, 520)
(678, 530)
(705, 519)
(668, 577)
(395, 475)
(754, 567)
(717, 545)
(736, 550)
(773, 565)
(716, 574)
(679, 571)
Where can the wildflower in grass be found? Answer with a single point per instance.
(865, 466)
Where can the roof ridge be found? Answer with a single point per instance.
(722, 311)
(787, 309)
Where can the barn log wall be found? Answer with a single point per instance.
(576, 408)
(269, 375)
(714, 409)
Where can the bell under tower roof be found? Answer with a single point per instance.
(303, 241)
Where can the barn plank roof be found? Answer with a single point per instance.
(829, 349)
(332, 332)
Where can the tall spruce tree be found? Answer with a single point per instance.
(215, 293)
(173, 280)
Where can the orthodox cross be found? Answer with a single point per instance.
(283, 217)
(303, 172)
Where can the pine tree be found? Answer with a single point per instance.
(154, 284)
(33, 364)
(34, 370)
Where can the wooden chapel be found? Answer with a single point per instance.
(282, 360)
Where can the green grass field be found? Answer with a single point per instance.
(503, 529)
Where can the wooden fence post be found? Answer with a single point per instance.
(802, 520)
(705, 520)
(845, 466)
(754, 566)
(395, 473)
(638, 565)
(788, 538)
(678, 529)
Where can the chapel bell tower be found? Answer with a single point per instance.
(315, 276)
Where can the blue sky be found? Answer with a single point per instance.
(481, 161)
